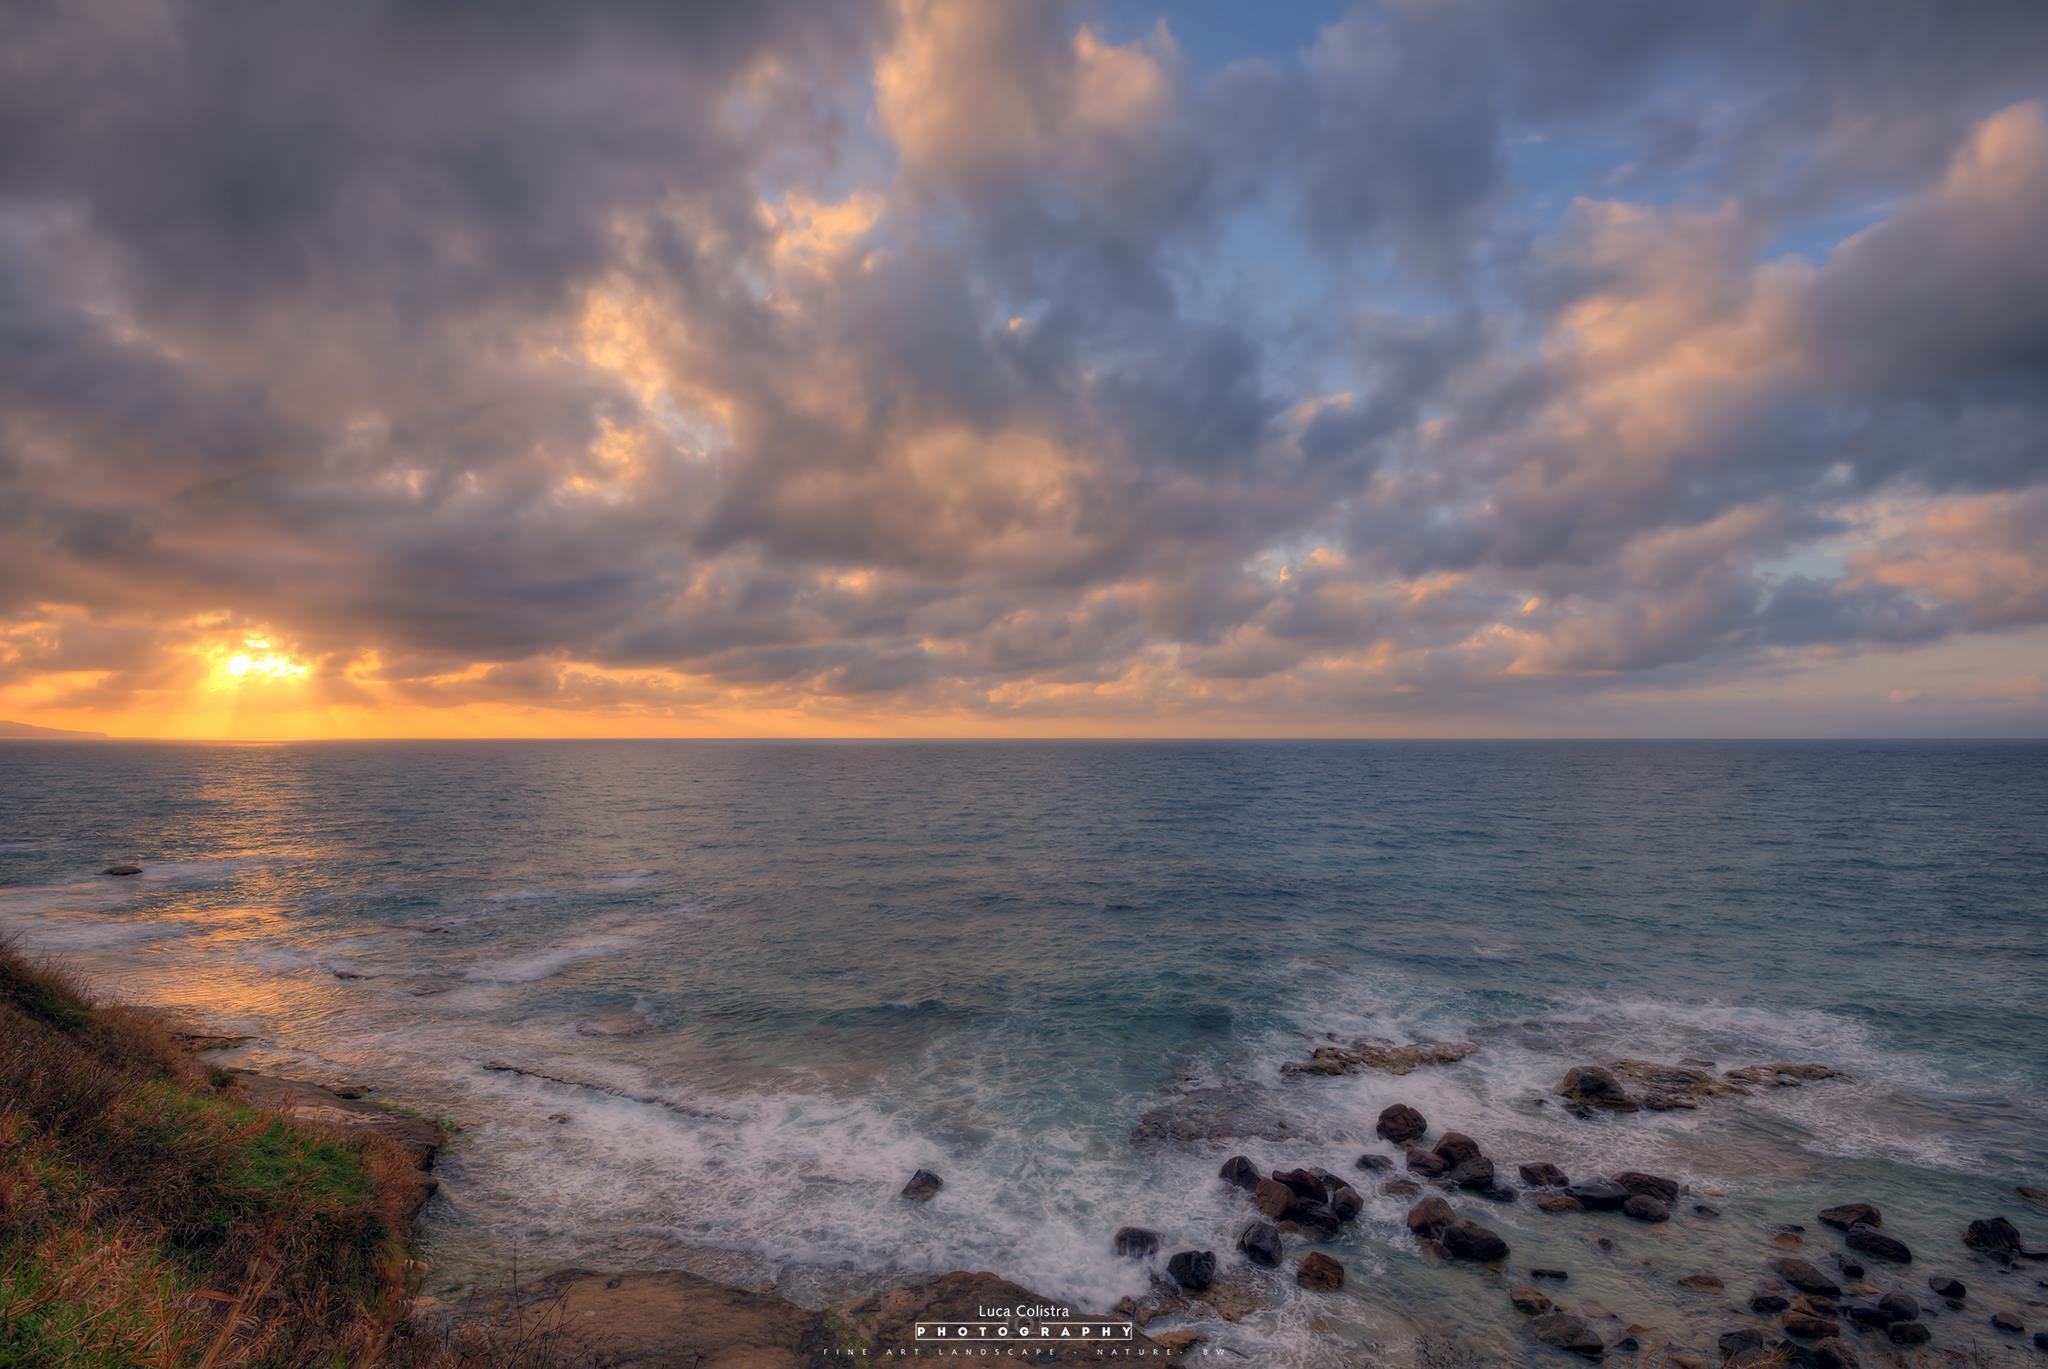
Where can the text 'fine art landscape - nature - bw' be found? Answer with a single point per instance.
(782, 684)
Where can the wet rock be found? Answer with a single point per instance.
(1528, 1301)
(2041, 1340)
(1850, 1269)
(1602, 1195)
(1305, 1183)
(1589, 1086)
(2038, 1197)
(1702, 1283)
(1471, 1241)
(1400, 1124)
(1567, 1332)
(2008, 1323)
(122, 870)
(1706, 1210)
(1193, 1270)
(1260, 1243)
(1427, 1163)
(1274, 1198)
(1805, 1277)
(1431, 1217)
(1560, 1275)
(1346, 1201)
(1455, 1147)
(1319, 1271)
(922, 1186)
(1644, 1208)
(1908, 1333)
(1384, 1056)
(1560, 1202)
(1766, 1304)
(1833, 1354)
(1733, 1343)
(1870, 1241)
(1852, 1214)
(1241, 1173)
(1400, 1188)
(1781, 1075)
(1899, 1307)
(1496, 1193)
(1135, 1242)
(1786, 1240)
(1651, 1185)
(1374, 1162)
(1476, 1172)
(1876, 1318)
(1946, 1287)
(1814, 1305)
(1992, 1233)
(1808, 1327)
(1543, 1174)
(1314, 1220)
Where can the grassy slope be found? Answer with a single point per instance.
(148, 1218)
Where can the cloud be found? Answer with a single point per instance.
(1002, 365)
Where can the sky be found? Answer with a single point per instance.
(1024, 368)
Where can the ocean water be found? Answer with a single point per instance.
(746, 988)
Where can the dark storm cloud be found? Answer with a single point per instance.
(974, 357)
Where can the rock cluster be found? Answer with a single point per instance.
(1384, 1056)
(1587, 1089)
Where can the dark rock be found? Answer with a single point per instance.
(1852, 1214)
(1240, 1172)
(1385, 1056)
(2030, 1194)
(1305, 1183)
(1850, 1269)
(1899, 1307)
(1874, 1243)
(122, 870)
(1274, 1198)
(1319, 1271)
(1260, 1243)
(1528, 1301)
(1810, 1327)
(1193, 1270)
(1874, 1317)
(2041, 1340)
(2008, 1323)
(1135, 1242)
(1400, 1188)
(1805, 1277)
(1560, 1202)
(1543, 1174)
(1592, 1087)
(1567, 1332)
(1765, 1304)
(1456, 1148)
(1315, 1220)
(1703, 1283)
(1833, 1354)
(1431, 1217)
(1476, 1172)
(1426, 1162)
(1346, 1201)
(1992, 1233)
(1909, 1333)
(1654, 1185)
(1400, 1124)
(1644, 1208)
(1471, 1241)
(1599, 1194)
(1374, 1162)
(1558, 1274)
(1946, 1287)
(1706, 1210)
(1733, 1343)
(922, 1186)
(1496, 1193)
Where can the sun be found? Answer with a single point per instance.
(260, 660)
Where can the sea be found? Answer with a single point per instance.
(709, 1004)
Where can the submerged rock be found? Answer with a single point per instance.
(1384, 1056)
(1852, 1214)
(1319, 1271)
(1560, 1202)
(1644, 1208)
(1135, 1242)
(1909, 1333)
(1654, 1185)
(1805, 1277)
(1560, 1275)
(1602, 1195)
(1809, 1327)
(1567, 1332)
(1374, 1162)
(1992, 1233)
(1528, 1301)
(1898, 1307)
(1193, 1270)
(122, 870)
(1260, 1243)
(922, 1186)
(1400, 1124)
(1543, 1174)
(1874, 1243)
(1833, 1354)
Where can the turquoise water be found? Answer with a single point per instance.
(770, 979)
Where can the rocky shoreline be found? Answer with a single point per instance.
(1864, 1302)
